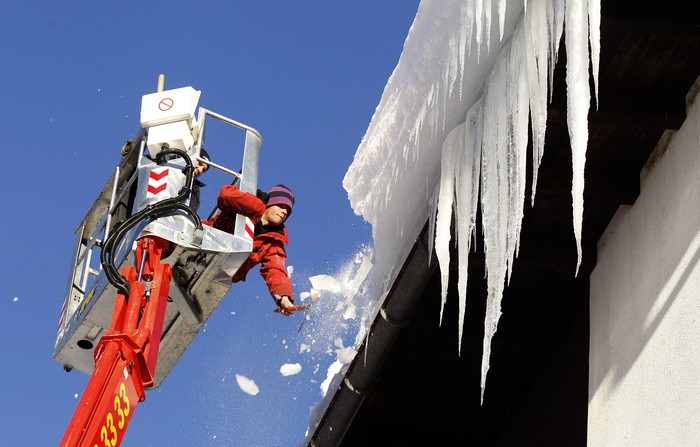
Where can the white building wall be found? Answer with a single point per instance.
(644, 372)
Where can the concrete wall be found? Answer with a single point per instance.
(644, 371)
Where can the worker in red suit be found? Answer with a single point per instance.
(269, 211)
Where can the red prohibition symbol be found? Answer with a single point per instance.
(165, 104)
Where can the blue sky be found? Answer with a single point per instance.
(307, 74)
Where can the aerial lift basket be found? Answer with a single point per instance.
(203, 259)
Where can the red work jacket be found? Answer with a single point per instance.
(268, 243)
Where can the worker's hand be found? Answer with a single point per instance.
(285, 303)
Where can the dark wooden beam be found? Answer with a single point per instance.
(621, 21)
(645, 111)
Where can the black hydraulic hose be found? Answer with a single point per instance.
(154, 210)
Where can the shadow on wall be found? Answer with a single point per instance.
(654, 249)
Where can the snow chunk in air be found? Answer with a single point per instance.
(247, 385)
(326, 283)
(290, 369)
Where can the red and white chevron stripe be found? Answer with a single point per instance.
(250, 228)
(157, 181)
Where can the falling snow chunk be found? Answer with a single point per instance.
(15, 299)
(290, 270)
(304, 295)
(304, 348)
(247, 385)
(290, 369)
(326, 283)
(75, 396)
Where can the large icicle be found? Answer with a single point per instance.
(467, 196)
(506, 111)
(494, 203)
(459, 183)
(518, 108)
(443, 231)
(577, 104)
(537, 58)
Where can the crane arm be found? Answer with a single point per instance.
(126, 356)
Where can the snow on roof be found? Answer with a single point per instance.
(439, 76)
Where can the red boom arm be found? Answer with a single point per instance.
(126, 356)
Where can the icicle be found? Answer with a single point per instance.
(594, 37)
(468, 21)
(555, 18)
(518, 110)
(577, 104)
(463, 44)
(501, 18)
(536, 55)
(467, 189)
(453, 66)
(444, 214)
(431, 222)
(487, 18)
(453, 153)
(478, 17)
(494, 202)
(476, 115)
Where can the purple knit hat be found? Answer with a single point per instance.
(280, 195)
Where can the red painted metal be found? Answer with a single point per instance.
(126, 356)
